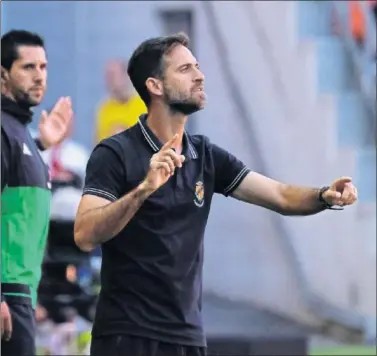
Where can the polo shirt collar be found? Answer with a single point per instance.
(188, 151)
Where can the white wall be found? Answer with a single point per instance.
(301, 148)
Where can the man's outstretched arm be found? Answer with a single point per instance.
(294, 200)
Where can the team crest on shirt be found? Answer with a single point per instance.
(199, 194)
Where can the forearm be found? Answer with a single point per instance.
(100, 225)
(301, 201)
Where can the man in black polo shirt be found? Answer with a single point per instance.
(146, 200)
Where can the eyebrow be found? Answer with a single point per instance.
(33, 63)
(187, 64)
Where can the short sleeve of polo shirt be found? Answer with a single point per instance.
(229, 171)
(104, 173)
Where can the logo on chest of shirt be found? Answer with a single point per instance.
(199, 194)
(26, 150)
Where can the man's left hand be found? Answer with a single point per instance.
(55, 126)
(342, 192)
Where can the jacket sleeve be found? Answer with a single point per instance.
(5, 159)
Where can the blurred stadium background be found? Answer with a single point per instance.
(292, 91)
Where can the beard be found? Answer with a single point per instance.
(181, 103)
(24, 99)
(185, 107)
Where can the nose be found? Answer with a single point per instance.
(199, 77)
(38, 79)
(38, 76)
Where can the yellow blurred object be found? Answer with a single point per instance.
(83, 341)
(114, 116)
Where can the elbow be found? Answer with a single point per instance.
(282, 211)
(83, 245)
(283, 204)
(81, 241)
(283, 208)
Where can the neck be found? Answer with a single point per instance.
(122, 97)
(22, 105)
(165, 124)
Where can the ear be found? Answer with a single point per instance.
(2, 73)
(154, 86)
(3, 79)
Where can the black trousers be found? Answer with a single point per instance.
(125, 345)
(22, 342)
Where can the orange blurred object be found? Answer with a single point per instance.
(71, 273)
(357, 21)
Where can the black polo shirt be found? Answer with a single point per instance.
(152, 271)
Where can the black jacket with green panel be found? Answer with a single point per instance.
(25, 205)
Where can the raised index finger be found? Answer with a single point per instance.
(168, 145)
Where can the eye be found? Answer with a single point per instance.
(29, 66)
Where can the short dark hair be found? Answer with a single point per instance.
(12, 40)
(148, 61)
